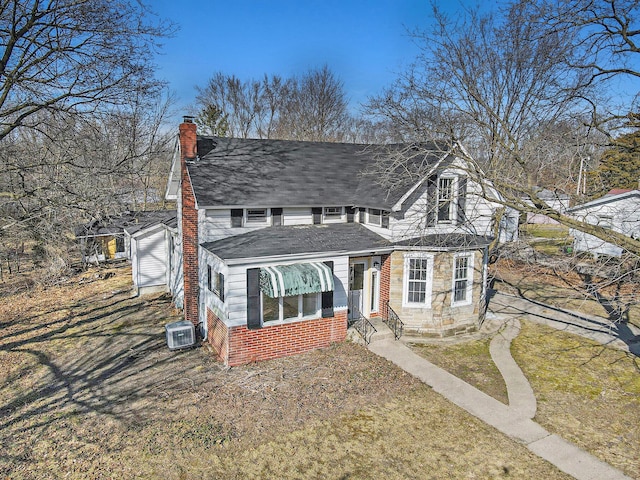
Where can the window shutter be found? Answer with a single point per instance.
(350, 214)
(317, 215)
(327, 298)
(462, 200)
(221, 286)
(236, 217)
(276, 217)
(432, 200)
(209, 278)
(253, 299)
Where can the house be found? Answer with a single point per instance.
(104, 239)
(283, 243)
(618, 210)
(557, 201)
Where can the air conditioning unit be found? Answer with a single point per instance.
(180, 335)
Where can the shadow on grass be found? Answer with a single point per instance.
(123, 360)
(583, 325)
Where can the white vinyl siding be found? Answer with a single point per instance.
(236, 287)
(151, 258)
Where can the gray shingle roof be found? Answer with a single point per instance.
(131, 221)
(337, 237)
(280, 173)
(447, 241)
(298, 239)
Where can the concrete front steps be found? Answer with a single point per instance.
(382, 332)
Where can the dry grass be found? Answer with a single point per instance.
(470, 361)
(88, 389)
(587, 393)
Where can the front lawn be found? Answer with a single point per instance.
(88, 389)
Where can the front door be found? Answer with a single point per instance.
(356, 289)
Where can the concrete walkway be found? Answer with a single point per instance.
(514, 419)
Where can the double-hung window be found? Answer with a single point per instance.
(445, 199)
(215, 282)
(418, 275)
(462, 279)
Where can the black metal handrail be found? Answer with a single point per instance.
(362, 325)
(393, 321)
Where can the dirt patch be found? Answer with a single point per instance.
(88, 389)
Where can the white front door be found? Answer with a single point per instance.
(356, 288)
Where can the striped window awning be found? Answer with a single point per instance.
(296, 279)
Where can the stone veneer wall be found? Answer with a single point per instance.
(441, 319)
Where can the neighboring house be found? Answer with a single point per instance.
(101, 240)
(283, 243)
(618, 210)
(555, 200)
(104, 239)
(154, 267)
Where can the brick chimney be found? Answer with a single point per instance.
(189, 152)
(188, 139)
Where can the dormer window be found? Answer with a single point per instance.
(256, 215)
(331, 213)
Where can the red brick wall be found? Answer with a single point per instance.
(189, 225)
(246, 346)
(385, 281)
(218, 336)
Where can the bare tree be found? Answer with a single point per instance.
(312, 107)
(72, 169)
(315, 109)
(240, 103)
(73, 56)
(499, 84)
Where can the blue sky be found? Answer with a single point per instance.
(365, 43)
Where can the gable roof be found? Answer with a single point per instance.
(298, 239)
(608, 198)
(235, 172)
(130, 221)
(164, 217)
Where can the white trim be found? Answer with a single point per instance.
(453, 199)
(333, 218)
(469, 290)
(300, 316)
(398, 205)
(405, 280)
(255, 223)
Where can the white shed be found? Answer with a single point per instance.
(153, 259)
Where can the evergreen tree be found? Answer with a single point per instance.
(620, 164)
